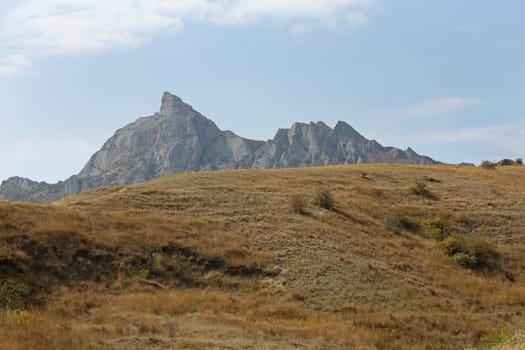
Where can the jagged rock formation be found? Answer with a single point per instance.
(318, 144)
(178, 139)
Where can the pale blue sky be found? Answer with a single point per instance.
(445, 77)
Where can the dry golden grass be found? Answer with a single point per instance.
(225, 260)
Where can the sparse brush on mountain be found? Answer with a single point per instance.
(323, 198)
(419, 188)
(470, 252)
(298, 204)
(519, 161)
(396, 222)
(222, 260)
(487, 164)
(12, 294)
(436, 226)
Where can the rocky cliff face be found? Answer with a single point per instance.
(178, 139)
(318, 144)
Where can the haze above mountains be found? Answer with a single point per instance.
(180, 139)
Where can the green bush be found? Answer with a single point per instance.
(519, 161)
(451, 245)
(12, 295)
(486, 255)
(20, 317)
(494, 339)
(437, 227)
(466, 260)
(471, 253)
(323, 198)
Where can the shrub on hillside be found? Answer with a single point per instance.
(323, 198)
(451, 245)
(298, 204)
(487, 164)
(466, 260)
(12, 294)
(486, 255)
(437, 227)
(397, 222)
(472, 253)
(519, 161)
(420, 188)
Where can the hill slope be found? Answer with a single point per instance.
(180, 139)
(220, 260)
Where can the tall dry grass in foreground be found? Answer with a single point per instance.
(249, 259)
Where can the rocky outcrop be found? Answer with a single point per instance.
(22, 189)
(180, 139)
(318, 144)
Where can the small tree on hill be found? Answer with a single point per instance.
(488, 165)
(323, 198)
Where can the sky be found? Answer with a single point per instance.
(444, 77)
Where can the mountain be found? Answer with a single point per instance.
(180, 139)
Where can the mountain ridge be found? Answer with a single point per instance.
(178, 138)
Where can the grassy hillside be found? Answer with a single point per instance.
(419, 257)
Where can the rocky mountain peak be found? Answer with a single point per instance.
(342, 129)
(179, 138)
(20, 182)
(170, 102)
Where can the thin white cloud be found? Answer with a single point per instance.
(56, 27)
(326, 11)
(439, 106)
(12, 64)
(70, 27)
